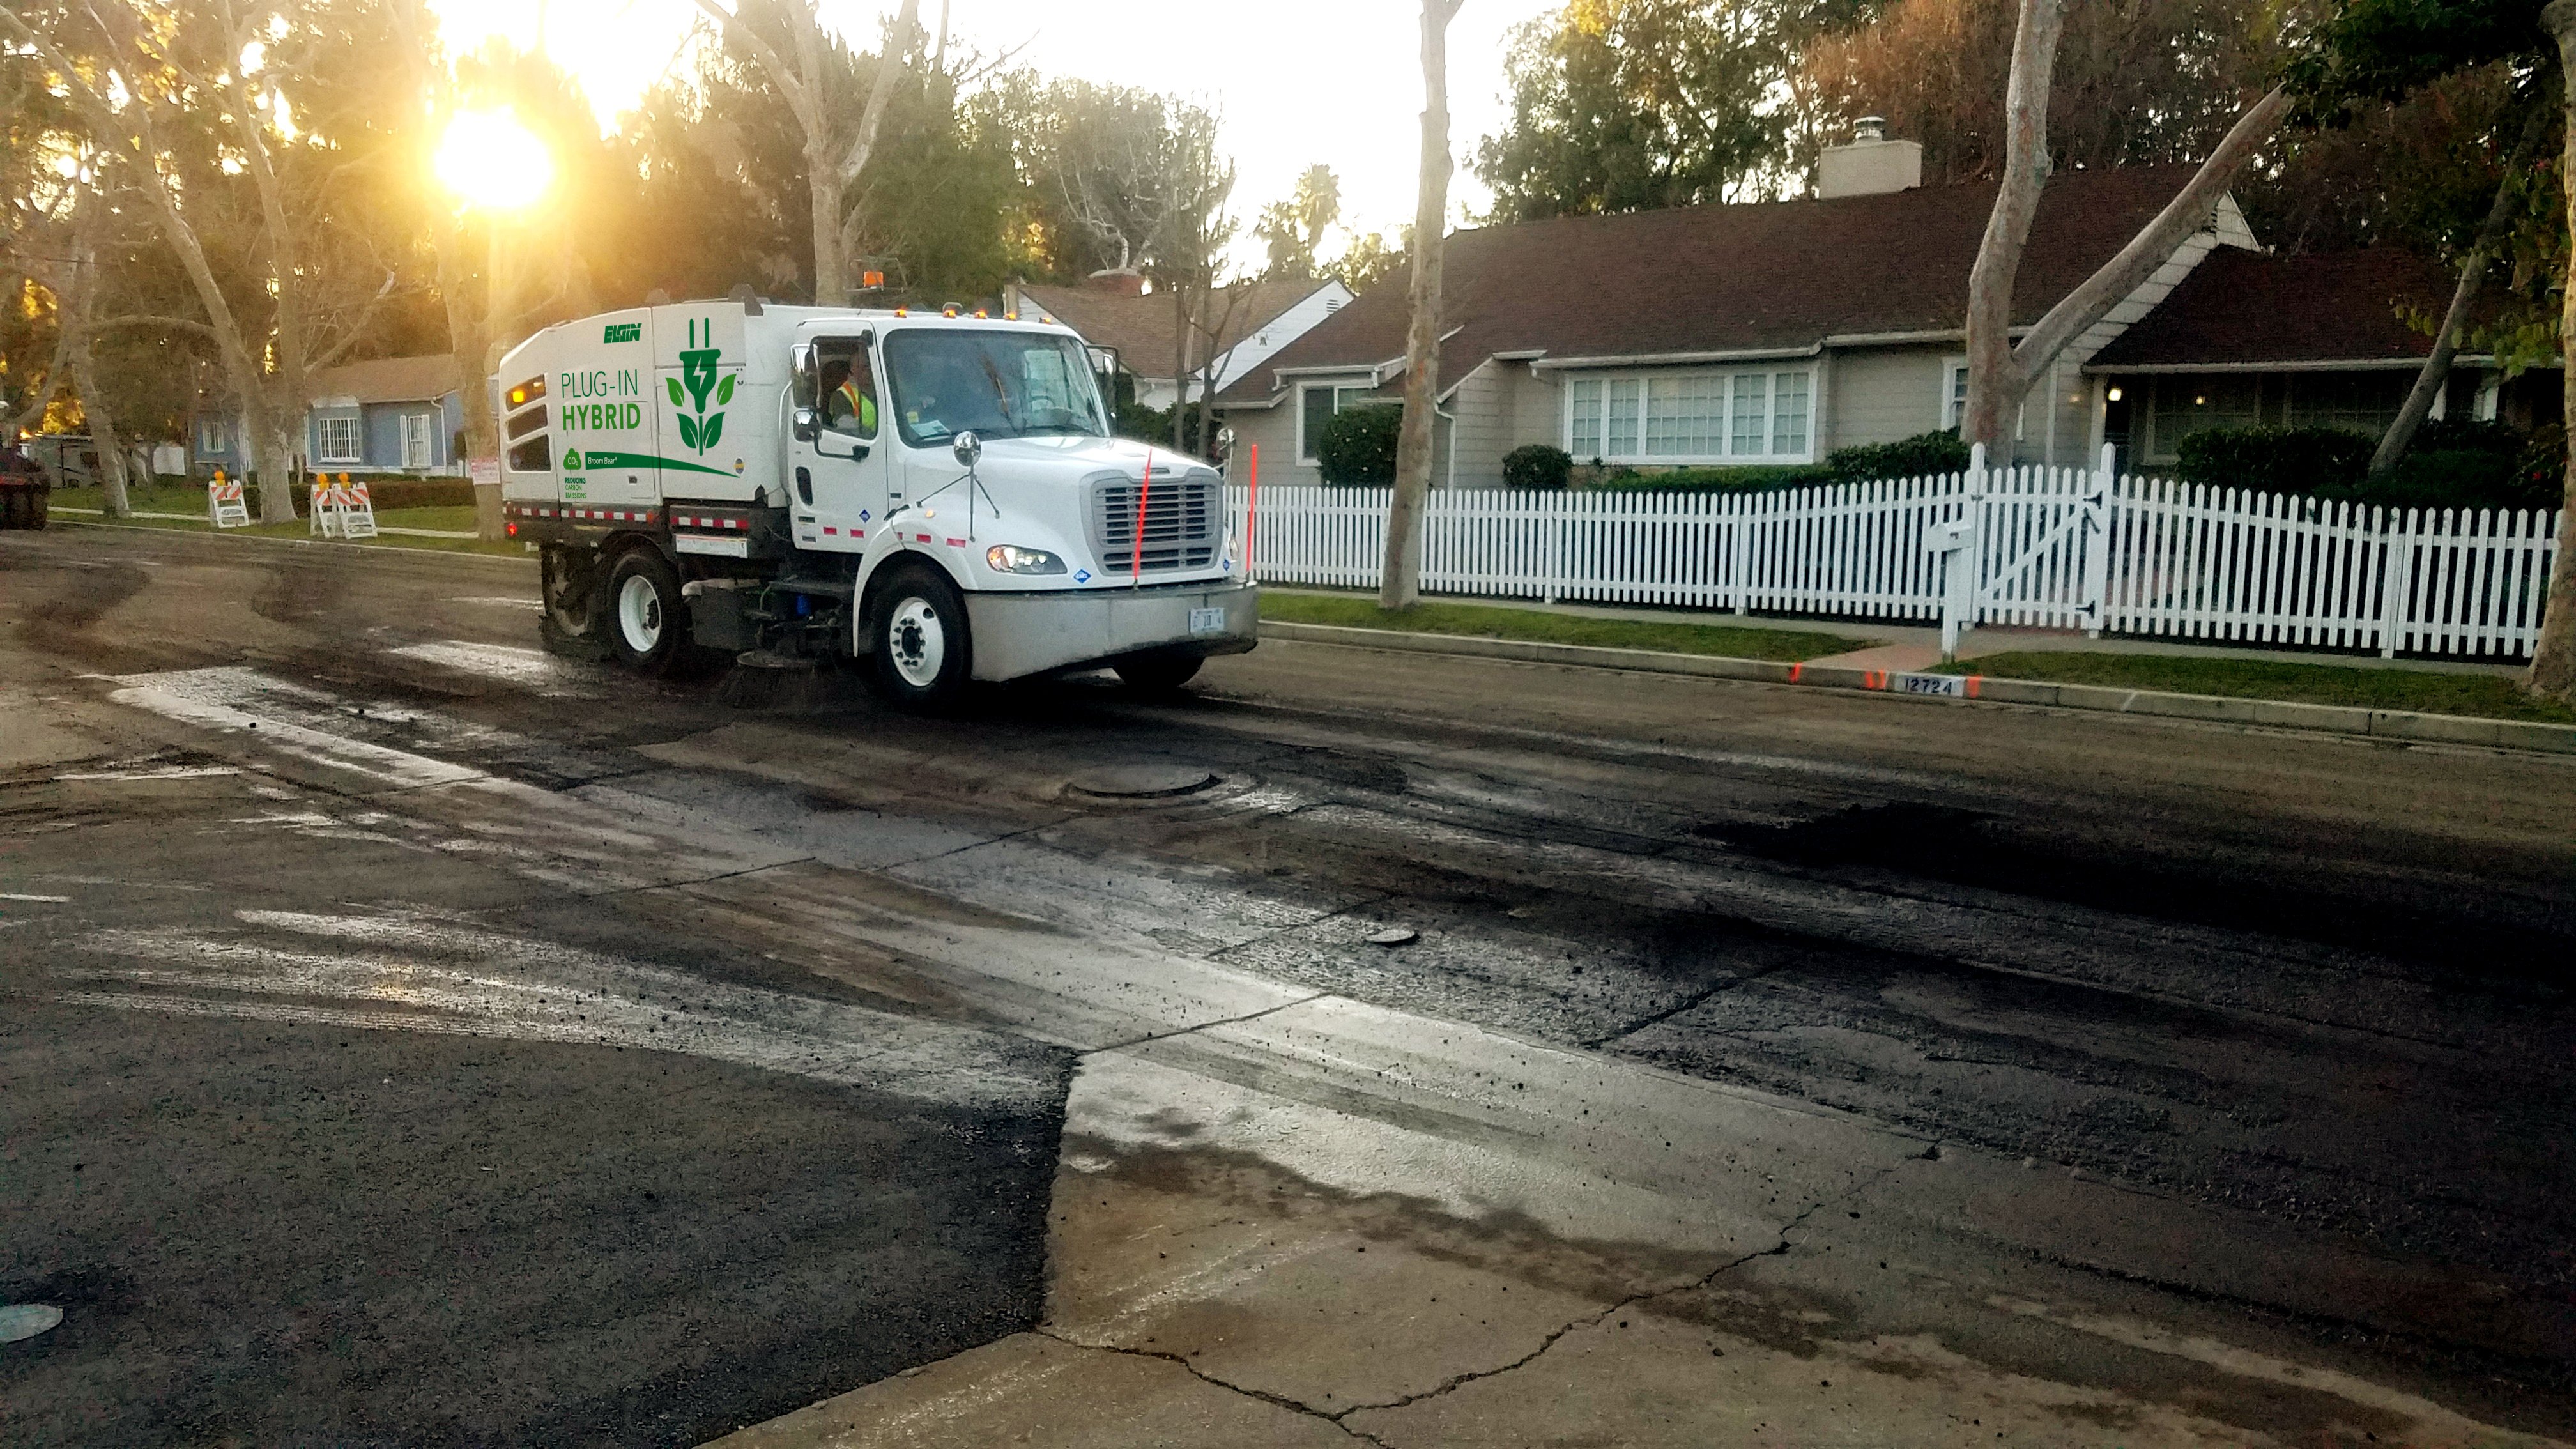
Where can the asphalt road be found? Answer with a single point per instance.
(501, 1050)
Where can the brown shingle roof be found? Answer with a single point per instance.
(1744, 277)
(2241, 307)
(392, 379)
(1142, 328)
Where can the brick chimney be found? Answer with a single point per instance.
(1117, 281)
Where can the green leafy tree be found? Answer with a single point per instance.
(1625, 105)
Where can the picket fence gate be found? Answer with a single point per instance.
(2064, 548)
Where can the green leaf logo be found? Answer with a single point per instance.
(724, 394)
(713, 430)
(678, 400)
(689, 432)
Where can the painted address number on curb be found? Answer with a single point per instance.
(1953, 685)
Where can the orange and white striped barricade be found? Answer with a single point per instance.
(320, 517)
(224, 502)
(357, 514)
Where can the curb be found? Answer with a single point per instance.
(2388, 724)
(309, 542)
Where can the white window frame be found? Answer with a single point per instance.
(1723, 434)
(214, 435)
(418, 424)
(322, 440)
(1953, 407)
(1306, 446)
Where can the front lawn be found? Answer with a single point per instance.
(1485, 621)
(2482, 696)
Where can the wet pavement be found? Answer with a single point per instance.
(457, 1044)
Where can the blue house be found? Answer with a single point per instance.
(389, 415)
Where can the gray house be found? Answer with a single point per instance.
(1775, 333)
(389, 415)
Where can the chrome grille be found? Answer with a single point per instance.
(1183, 517)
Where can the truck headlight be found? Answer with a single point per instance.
(1004, 558)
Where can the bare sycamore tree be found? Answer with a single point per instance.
(2553, 659)
(152, 75)
(1413, 448)
(2464, 297)
(2001, 375)
(831, 164)
(1196, 183)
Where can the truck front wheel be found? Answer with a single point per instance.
(648, 622)
(921, 659)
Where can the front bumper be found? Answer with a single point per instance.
(1017, 635)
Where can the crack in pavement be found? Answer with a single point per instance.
(1202, 1026)
(1264, 1395)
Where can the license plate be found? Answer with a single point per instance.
(1207, 621)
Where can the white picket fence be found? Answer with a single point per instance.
(2054, 548)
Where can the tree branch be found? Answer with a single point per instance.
(895, 62)
(2188, 212)
(787, 81)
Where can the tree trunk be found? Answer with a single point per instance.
(1180, 366)
(823, 192)
(1401, 578)
(2436, 372)
(2553, 659)
(1992, 393)
(102, 427)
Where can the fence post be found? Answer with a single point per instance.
(1552, 507)
(2396, 581)
(2097, 551)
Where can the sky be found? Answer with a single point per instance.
(1336, 81)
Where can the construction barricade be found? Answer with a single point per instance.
(224, 502)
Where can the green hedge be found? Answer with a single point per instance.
(1924, 455)
(1357, 448)
(2462, 463)
(1764, 478)
(1537, 467)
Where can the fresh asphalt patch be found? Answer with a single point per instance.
(467, 1170)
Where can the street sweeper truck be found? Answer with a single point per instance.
(934, 493)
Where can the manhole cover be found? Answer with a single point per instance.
(1395, 936)
(26, 1320)
(1141, 782)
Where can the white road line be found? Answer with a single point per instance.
(45, 900)
(531, 605)
(186, 698)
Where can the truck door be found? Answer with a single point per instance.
(838, 456)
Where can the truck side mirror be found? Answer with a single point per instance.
(808, 425)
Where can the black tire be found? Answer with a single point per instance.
(923, 656)
(569, 585)
(14, 506)
(40, 504)
(1158, 673)
(643, 615)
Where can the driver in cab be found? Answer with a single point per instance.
(850, 396)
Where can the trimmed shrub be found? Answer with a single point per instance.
(2454, 463)
(1537, 466)
(1924, 455)
(1357, 448)
(2328, 462)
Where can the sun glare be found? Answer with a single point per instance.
(492, 161)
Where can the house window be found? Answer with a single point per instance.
(1691, 417)
(1583, 426)
(2358, 402)
(415, 440)
(2185, 405)
(1954, 393)
(1317, 403)
(213, 436)
(1789, 413)
(336, 441)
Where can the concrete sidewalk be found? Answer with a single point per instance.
(1910, 647)
(1334, 1223)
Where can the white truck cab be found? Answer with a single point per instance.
(934, 492)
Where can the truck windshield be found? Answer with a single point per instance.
(992, 383)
